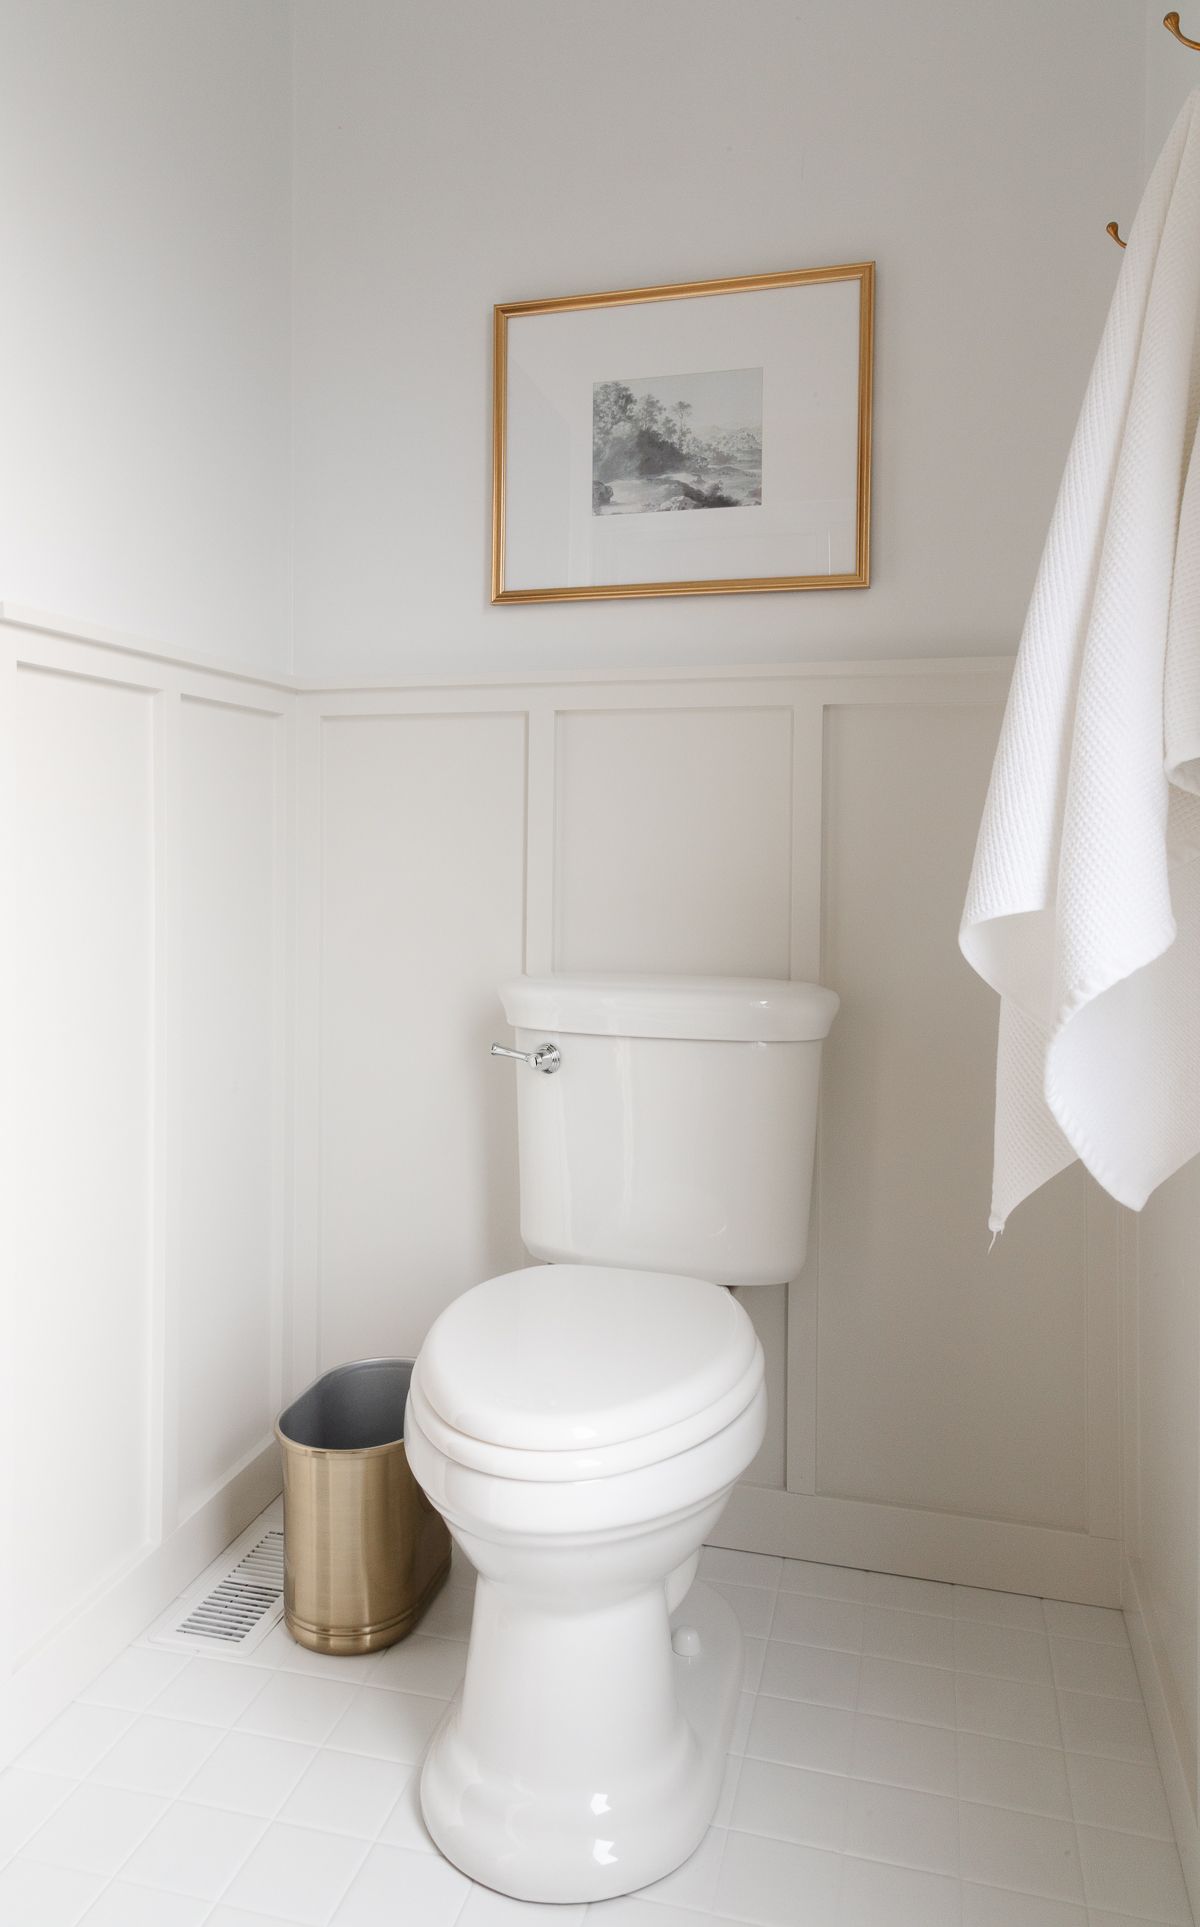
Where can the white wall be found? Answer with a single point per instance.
(1163, 1527)
(146, 1082)
(1161, 1320)
(1162, 1482)
(422, 859)
(144, 328)
(147, 159)
(1161, 1288)
(451, 157)
(935, 1410)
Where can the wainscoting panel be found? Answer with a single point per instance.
(935, 1409)
(673, 847)
(423, 866)
(231, 885)
(260, 930)
(83, 1193)
(915, 1313)
(146, 1021)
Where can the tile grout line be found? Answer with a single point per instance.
(958, 1803)
(180, 1797)
(75, 1780)
(741, 1757)
(1062, 1739)
(220, 1901)
(114, 1873)
(176, 1799)
(844, 1855)
(755, 1694)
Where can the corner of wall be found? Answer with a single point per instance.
(290, 455)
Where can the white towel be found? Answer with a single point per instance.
(1083, 909)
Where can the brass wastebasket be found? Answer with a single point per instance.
(364, 1551)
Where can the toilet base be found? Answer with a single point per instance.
(572, 1841)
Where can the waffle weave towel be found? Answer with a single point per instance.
(1083, 909)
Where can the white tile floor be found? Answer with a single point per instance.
(907, 1755)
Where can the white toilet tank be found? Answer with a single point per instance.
(677, 1132)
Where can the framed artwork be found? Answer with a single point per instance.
(704, 438)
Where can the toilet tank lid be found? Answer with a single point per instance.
(767, 1010)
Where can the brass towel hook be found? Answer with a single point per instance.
(1171, 23)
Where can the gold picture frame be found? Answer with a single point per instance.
(856, 576)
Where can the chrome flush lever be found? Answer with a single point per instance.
(547, 1057)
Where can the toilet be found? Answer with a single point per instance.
(580, 1423)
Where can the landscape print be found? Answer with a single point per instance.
(667, 442)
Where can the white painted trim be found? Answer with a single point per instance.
(167, 1180)
(72, 628)
(807, 917)
(807, 851)
(283, 882)
(1130, 1392)
(10, 1445)
(541, 838)
(923, 1545)
(308, 787)
(876, 684)
(803, 1340)
(71, 1656)
(798, 671)
(1167, 1720)
(1102, 1364)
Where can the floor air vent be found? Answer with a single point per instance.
(236, 1602)
(233, 1608)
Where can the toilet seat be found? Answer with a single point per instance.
(489, 1505)
(585, 1462)
(571, 1372)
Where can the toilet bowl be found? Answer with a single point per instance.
(579, 1429)
(579, 1424)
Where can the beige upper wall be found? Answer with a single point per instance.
(450, 157)
(144, 235)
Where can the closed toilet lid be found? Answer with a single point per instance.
(561, 1357)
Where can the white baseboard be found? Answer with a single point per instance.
(1168, 1725)
(923, 1545)
(58, 1669)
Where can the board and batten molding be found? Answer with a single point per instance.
(937, 1410)
(148, 1140)
(311, 999)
